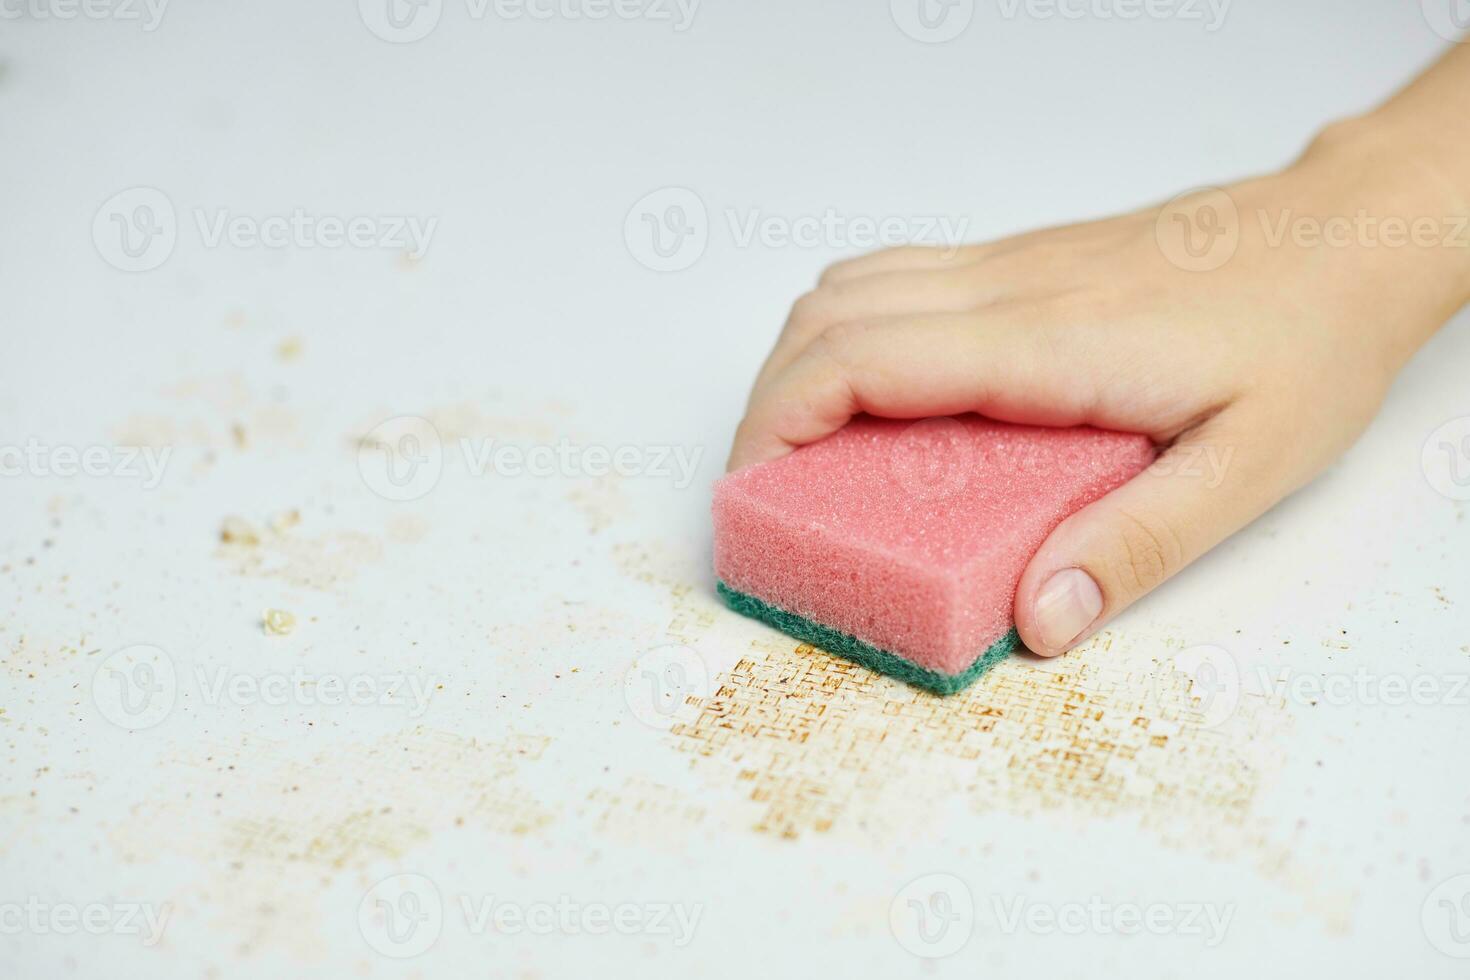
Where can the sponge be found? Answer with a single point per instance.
(899, 544)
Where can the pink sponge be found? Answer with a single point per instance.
(899, 544)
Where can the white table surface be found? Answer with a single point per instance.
(791, 807)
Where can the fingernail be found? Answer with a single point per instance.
(1066, 605)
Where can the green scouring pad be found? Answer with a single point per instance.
(869, 656)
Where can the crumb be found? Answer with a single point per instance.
(289, 349)
(237, 530)
(277, 622)
(285, 519)
(237, 434)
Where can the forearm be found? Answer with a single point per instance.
(1409, 161)
(1431, 117)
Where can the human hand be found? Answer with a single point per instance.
(1251, 375)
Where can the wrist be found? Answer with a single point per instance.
(1392, 162)
(1412, 210)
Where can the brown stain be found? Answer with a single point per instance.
(601, 501)
(470, 420)
(817, 745)
(694, 610)
(642, 811)
(323, 562)
(216, 413)
(819, 740)
(342, 808)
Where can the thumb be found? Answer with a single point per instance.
(1096, 563)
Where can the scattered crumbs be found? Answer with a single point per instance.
(278, 622)
(285, 520)
(1088, 734)
(237, 530)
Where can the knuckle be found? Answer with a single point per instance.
(833, 274)
(747, 432)
(1149, 551)
(812, 311)
(806, 307)
(839, 341)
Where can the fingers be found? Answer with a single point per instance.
(909, 258)
(873, 297)
(1100, 560)
(932, 258)
(912, 367)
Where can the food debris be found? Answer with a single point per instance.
(278, 622)
(237, 530)
(285, 520)
(289, 349)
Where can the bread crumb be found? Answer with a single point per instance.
(289, 349)
(277, 622)
(237, 530)
(285, 519)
